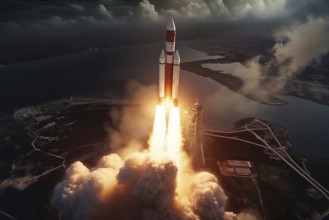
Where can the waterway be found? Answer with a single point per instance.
(306, 121)
(105, 72)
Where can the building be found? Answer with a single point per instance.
(239, 163)
(238, 168)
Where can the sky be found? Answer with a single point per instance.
(64, 26)
(25, 19)
(63, 13)
(39, 29)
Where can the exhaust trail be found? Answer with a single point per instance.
(157, 140)
(174, 135)
(154, 184)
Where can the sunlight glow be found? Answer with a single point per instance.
(166, 138)
(157, 141)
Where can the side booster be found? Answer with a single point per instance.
(169, 64)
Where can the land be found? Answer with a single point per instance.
(312, 83)
(229, 81)
(39, 142)
(281, 182)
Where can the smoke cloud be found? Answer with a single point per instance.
(306, 43)
(109, 12)
(130, 126)
(136, 184)
(207, 198)
(144, 186)
(249, 214)
(83, 189)
(297, 47)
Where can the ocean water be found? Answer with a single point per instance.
(105, 72)
(306, 121)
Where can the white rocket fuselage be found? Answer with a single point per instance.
(169, 64)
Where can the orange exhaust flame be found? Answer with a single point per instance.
(174, 135)
(166, 139)
(157, 141)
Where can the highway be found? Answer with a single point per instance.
(6, 215)
(280, 151)
(292, 160)
(234, 138)
(63, 165)
(49, 154)
(80, 101)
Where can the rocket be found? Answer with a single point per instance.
(169, 63)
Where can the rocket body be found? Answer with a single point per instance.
(169, 64)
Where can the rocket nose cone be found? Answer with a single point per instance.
(171, 25)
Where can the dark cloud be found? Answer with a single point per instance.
(111, 22)
(300, 10)
(35, 12)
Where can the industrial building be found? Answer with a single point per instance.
(238, 168)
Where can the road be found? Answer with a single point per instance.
(279, 151)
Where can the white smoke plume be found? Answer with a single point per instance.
(249, 214)
(131, 125)
(138, 185)
(207, 196)
(83, 190)
(138, 188)
(306, 43)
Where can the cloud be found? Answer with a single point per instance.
(207, 196)
(144, 185)
(217, 8)
(150, 10)
(57, 21)
(145, 10)
(151, 187)
(57, 16)
(219, 104)
(249, 214)
(306, 43)
(127, 133)
(103, 12)
(77, 7)
(192, 10)
(10, 25)
(251, 74)
(297, 47)
(256, 8)
(300, 10)
(84, 189)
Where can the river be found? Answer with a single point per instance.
(105, 72)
